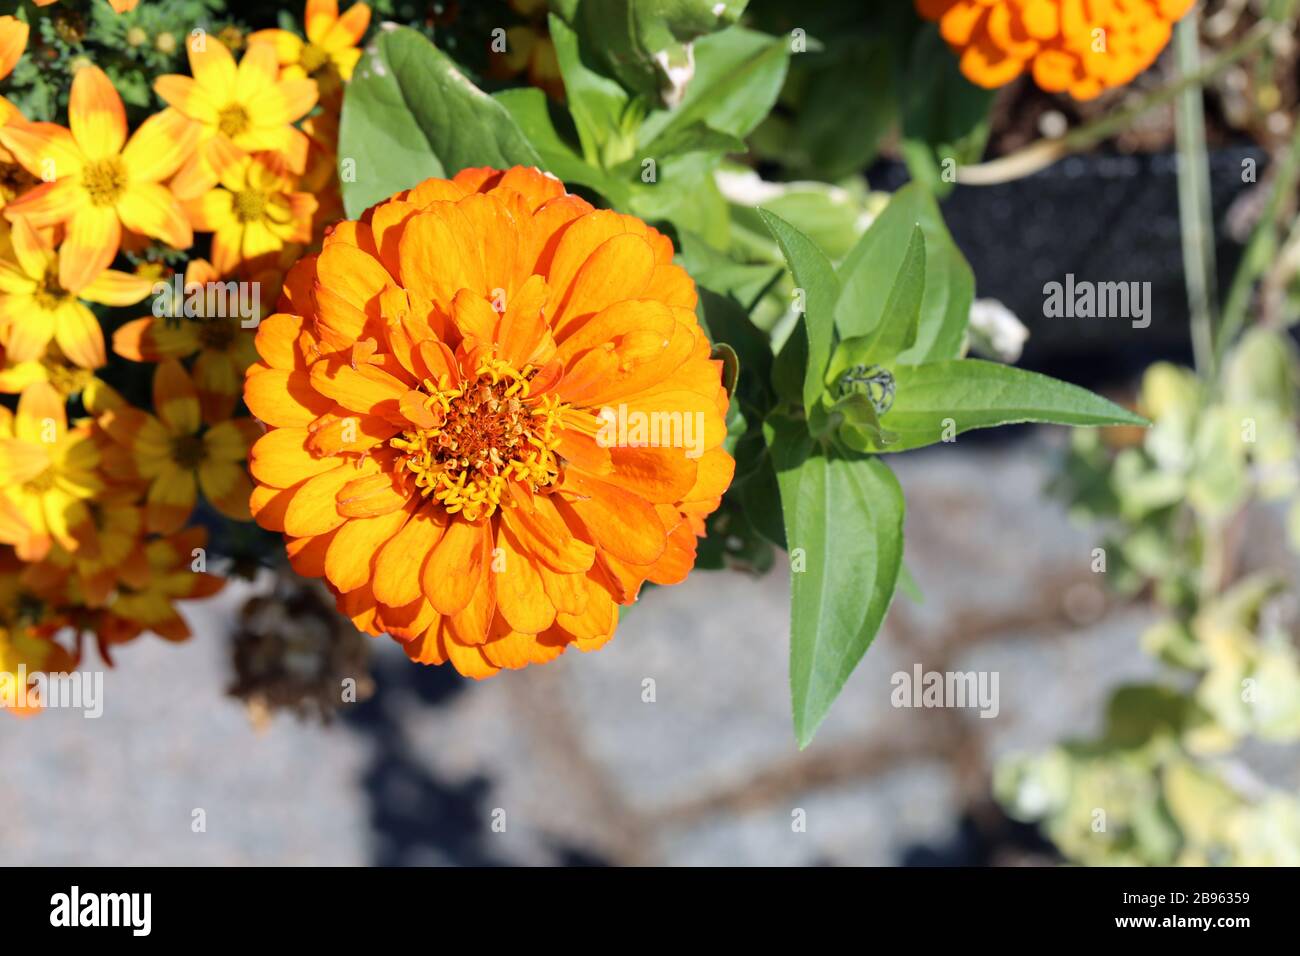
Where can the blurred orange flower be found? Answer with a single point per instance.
(225, 347)
(435, 391)
(1068, 46)
(48, 473)
(175, 456)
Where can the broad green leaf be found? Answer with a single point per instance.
(829, 215)
(645, 42)
(409, 114)
(867, 275)
(596, 102)
(738, 75)
(813, 274)
(844, 524)
(531, 112)
(943, 399)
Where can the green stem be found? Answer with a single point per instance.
(1260, 246)
(1043, 153)
(1195, 214)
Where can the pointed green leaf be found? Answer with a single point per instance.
(813, 274)
(943, 399)
(896, 330)
(844, 526)
(867, 276)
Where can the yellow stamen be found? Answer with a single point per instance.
(105, 180)
(489, 437)
(250, 205)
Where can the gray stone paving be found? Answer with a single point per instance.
(578, 766)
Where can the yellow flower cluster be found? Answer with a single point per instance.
(97, 496)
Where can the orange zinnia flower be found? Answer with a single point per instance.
(436, 387)
(97, 185)
(1068, 45)
(176, 456)
(239, 110)
(330, 52)
(224, 345)
(13, 40)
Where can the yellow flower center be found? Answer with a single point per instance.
(313, 58)
(233, 120)
(487, 435)
(104, 180)
(250, 205)
(49, 295)
(187, 451)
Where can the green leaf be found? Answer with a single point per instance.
(409, 114)
(896, 330)
(531, 112)
(738, 75)
(639, 39)
(596, 102)
(813, 274)
(844, 519)
(727, 322)
(718, 272)
(868, 272)
(944, 399)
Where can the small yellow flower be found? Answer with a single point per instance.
(48, 472)
(330, 52)
(253, 213)
(36, 309)
(239, 110)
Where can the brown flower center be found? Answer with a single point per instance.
(104, 180)
(217, 335)
(49, 295)
(187, 451)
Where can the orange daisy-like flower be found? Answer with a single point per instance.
(436, 387)
(36, 309)
(239, 110)
(224, 346)
(1067, 45)
(26, 640)
(13, 40)
(330, 52)
(175, 456)
(96, 182)
(253, 214)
